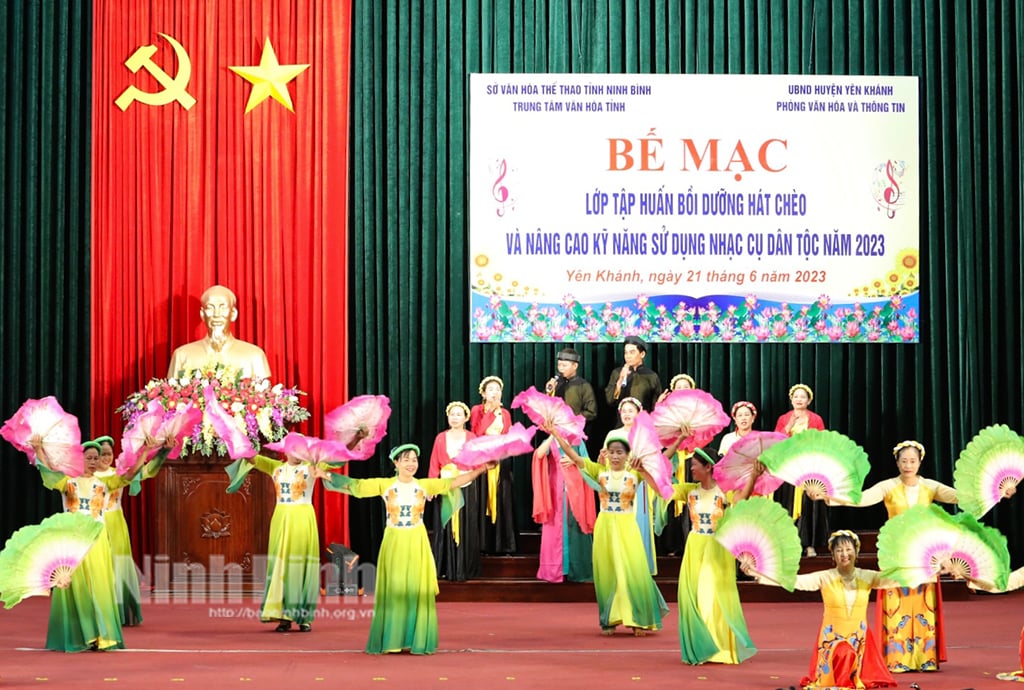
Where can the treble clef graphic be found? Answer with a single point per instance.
(500, 191)
(891, 194)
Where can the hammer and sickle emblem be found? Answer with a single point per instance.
(174, 87)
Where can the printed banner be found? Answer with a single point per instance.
(694, 208)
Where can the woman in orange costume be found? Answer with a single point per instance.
(846, 655)
(910, 618)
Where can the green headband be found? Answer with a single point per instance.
(705, 456)
(91, 444)
(617, 435)
(395, 452)
(103, 439)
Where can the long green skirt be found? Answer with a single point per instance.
(293, 566)
(404, 606)
(126, 579)
(626, 592)
(711, 623)
(85, 615)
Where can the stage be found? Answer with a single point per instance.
(482, 644)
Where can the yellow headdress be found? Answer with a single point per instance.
(803, 386)
(907, 444)
(456, 403)
(844, 533)
(488, 379)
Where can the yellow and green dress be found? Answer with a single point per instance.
(626, 592)
(85, 614)
(404, 607)
(292, 589)
(126, 578)
(910, 619)
(711, 623)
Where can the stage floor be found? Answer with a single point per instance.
(491, 645)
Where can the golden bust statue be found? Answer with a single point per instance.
(219, 309)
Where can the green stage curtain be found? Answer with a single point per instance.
(410, 234)
(44, 229)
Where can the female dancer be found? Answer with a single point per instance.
(909, 619)
(85, 614)
(711, 623)
(126, 578)
(404, 608)
(743, 415)
(489, 418)
(643, 506)
(456, 546)
(846, 655)
(626, 592)
(292, 589)
(672, 521)
(811, 517)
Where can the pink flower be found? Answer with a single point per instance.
(852, 329)
(800, 335)
(908, 333)
(834, 333)
(779, 329)
(762, 333)
(707, 329)
(686, 329)
(873, 335)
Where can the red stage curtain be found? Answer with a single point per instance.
(187, 198)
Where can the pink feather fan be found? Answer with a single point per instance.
(546, 410)
(483, 449)
(59, 431)
(363, 413)
(311, 449)
(692, 412)
(646, 448)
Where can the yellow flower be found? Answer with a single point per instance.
(908, 260)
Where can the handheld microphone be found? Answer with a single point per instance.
(553, 383)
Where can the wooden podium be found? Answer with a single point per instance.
(212, 540)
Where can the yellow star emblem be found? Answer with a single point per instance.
(270, 78)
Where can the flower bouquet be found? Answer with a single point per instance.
(263, 411)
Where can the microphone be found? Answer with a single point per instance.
(627, 371)
(552, 383)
